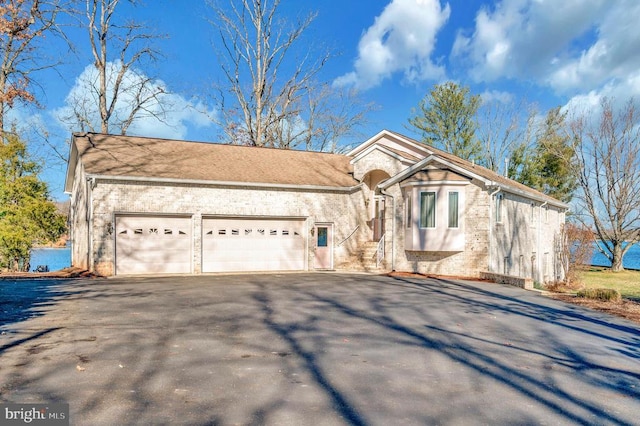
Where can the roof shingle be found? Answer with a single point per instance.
(132, 156)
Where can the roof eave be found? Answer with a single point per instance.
(71, 166)
(258, 185)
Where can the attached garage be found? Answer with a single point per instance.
(253, 244)
(153, 244)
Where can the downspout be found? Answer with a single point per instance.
(491, 225)
(393, 229)
(539, 272)
(91, 183)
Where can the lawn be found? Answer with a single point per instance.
(626, 282)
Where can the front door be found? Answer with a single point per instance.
(378, 220)
(324, 247)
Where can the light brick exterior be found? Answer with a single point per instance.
(342, 209)
(521, 244)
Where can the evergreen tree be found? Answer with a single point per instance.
(446, 117)
(547, 167)
(27, 215)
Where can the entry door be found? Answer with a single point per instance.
(324, 247)
(378, 220)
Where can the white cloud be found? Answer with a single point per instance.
(402, 39)
(490, 96)
(618, 92)
(168, 115)
(571, 46)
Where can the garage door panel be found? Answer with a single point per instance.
(153, 244)
(253, 245)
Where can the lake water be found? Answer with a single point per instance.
(60, 258)
(631, 260)
(54, 258)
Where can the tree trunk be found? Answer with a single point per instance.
(616, 262)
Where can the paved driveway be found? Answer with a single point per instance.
(319, 349)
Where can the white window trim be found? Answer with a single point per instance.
(498, 207)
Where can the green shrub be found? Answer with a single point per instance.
(604, 294)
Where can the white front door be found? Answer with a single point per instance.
(323, 258)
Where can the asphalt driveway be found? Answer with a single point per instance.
(319, 349)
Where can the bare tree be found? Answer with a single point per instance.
(504, 130)
(607, 165)
(268, 106)
(23, 26)
(574, 246)
(118, 92)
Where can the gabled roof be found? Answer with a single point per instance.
(457, 164)
(163, 159)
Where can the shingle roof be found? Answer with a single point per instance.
(482, 171)
(132, 156)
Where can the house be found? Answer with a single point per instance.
(145, 205)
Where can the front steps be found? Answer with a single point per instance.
(367, 257)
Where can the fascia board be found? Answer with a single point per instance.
(405, 173)
(139, 179)
(71, 167)
(383, 150)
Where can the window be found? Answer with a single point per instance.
(533, 213)
(427, 210)
(409, 208)
(323, 234)
(499, 208)
(453, 210)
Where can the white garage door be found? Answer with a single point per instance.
(242, 244)
(153, 244)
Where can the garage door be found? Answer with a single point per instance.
(153, 244)
(242, 244)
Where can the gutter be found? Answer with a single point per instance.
(138, 179)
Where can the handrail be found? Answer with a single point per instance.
(380, 251)
(348, 236)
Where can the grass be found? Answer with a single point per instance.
(626, 282)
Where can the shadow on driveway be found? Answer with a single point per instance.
(325, 349)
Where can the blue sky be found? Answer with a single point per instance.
(547, 52)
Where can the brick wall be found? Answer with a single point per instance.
(110, 197)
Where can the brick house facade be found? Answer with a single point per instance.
(143, 205)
